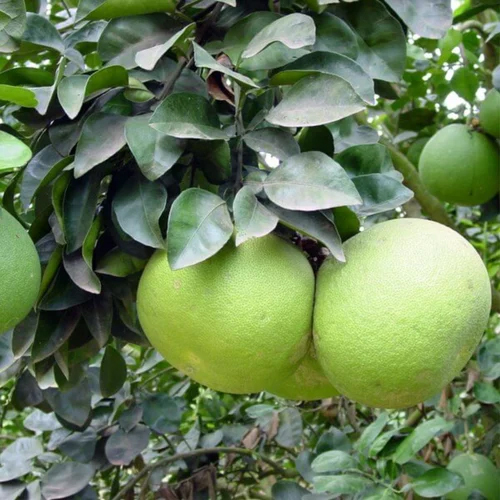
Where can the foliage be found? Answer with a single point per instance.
(159, 124)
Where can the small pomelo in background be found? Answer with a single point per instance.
(479, 474)
(308, 383)
(402, 317)
(415, 150)
(489, 113)
(20, 272)
(462, 166)
(236, 321)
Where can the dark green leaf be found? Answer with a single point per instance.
(367, 159)
(24, 334)
(416, 119)
(347, 133)
(13, 152)
(333, 461)
(199, 226)
(91, 149)
(40, 31)
(122, 447)
(290, 428)
(333, 439)
(124, 37)
(13, 15)
(295, 31)
(310, 181)
(286, 490)
(188, 116)
(162, 413)
(334, 35)
(274, 141)
(213, 158)
(65, 479)
(138, 207)
(13, 470)
(73, 90)
(465, 83)
(427, 18)
(113, 372)
(11, 490)
(98, 315)
(251, 218)
(436, 483)
(130, 418)
(26, 393)
(155, 153)
(22, 449)
(316, 100)
(62, 294)
(328, 63)
(80, 446)
(486, 393)
(120, 264)
(489, 358)
(312, 224)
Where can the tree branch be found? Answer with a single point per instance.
(196, 453)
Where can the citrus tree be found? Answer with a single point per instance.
(248, 248)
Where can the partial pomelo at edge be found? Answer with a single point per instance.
(307, 383)
(235, 321)
(402, 317)
(19, 270)
(479, 473)
(489, 113)
(461, 166)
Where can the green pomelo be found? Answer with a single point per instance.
(307, 383)
(415, 150)
(402, 317)
(461, 166)
(19, 270)
(489, 113)
(235, 321)
(479, 474)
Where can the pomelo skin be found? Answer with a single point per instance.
(461, 166)
(308, 382)
(19, 270)
(235, 321)
(489, 113)
(479, 474)
(402, 317)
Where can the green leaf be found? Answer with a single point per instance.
(22, 449)
(488, 358)
(122, 447)
(452, 39)
(347, 133)
(294, 30)
(251, 218)
(380, 37)
(80, 446)
(124, 37)
(79, 207)
(290, 428)
(62, 294)
(13, 152)
(154, 152)
(486, 393)
(108, 9)
(199, 226)
(188, 116)
(113, 372)
(18, 95)
(66, 479)
(436, 483)
(213, 158)
(162, 413)
(13, 15)
(73, 90)
(367, 159)
(91, 149)
(274, 141)
(119, 264)
(138, 206)
(286, 490)
(427, 18)
(313, 224)
(416, 119)
(203, 59)
(413, 443)
(41, 32)
(328, 63)
(310, 181)
(371, 433)
(346, 484)
(10, 471)
(465, 83)
(333, 461)
(334, 35)
(148, 58)
(316, 100)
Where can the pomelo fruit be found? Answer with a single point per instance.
(19, 270)
(235, 321)
(462, 166)
(402, 317)
(489, 113)
(479, 474)
(307, 383)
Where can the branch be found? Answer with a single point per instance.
(431, 205)
(196, 453)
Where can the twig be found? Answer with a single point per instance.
(196, 453)
(65, 5)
